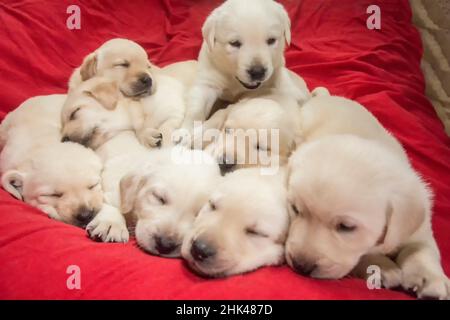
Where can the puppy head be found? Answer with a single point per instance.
(62, 180)
(91, 114)
(241, 228)
(254, 133)
(123, 61)
(165, 198)
(348, 197)
(247, 38)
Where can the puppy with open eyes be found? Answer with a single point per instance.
(242, 227)
(164, 197)
(356, 201)
(242, 51)
(61, 179)
(160, 91)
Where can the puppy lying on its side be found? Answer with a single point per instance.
(242, 227)
(166, 196)
(355, 201)
(242, 51)
(160, 91)
(61, 179)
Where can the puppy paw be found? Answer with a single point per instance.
(427, 286)
(151, 138)
(182, 137)
(391, 278)
(108, 229)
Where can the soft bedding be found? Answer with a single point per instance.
(331, 47)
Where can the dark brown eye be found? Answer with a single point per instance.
(255, 233)
(235, 44)
(343, 227)
(271, 41)
(212, 205)
(295, 209)
(74, 113)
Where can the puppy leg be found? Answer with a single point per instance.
(391, 275)
(422, 271)
(109, 225)
(201, 99)
(167, 128)
(150, 137)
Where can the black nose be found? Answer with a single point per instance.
(201, 251)
(257, 73)
(84, 216)
(226, 165)
(165, 245)
(303, 267)
(145, 81)
(65, 139)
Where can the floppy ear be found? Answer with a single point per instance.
(286, 22)
(107, 93)
(209, 29)
(405, 214)
(129, 189)
(88, 68)
(12, 182)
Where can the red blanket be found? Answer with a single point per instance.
(331, 47)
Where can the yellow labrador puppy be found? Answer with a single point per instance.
(255, 132)
(164, 197)
(121, 60)
(242, 51)
(354, 198)
(242, 227)
(160, 91)
(61, 179)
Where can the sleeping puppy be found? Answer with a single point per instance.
(160, 91)
(164, 197)
(326, 118)
(255, 132)
(242, 51)
(95, 112)
(242, 227)
(351, 197)
(122, 61)
(61, 179)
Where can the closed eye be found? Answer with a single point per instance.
(160, 198)
(93, 186)
(255, 233)
(261, 147)
(124, 64)
(54, 195)
(344, 227)
(74, 113)
(295, 209)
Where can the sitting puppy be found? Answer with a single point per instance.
(165, 197)
(354, 198)
(241, 228)
(242, 51)
(61, 179)
(255, 132)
